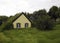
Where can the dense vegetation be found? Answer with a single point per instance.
(40, 19)
(45, 28)
(30, 35)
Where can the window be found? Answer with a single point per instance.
(18, 25)
(0, 22)
(26, 25)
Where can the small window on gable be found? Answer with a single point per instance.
(26, 25)
(18, 25)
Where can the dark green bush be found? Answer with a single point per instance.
(44, 23)
(5, 26)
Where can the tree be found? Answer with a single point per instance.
(52, 12)
(3, 19)
(58, 13)
(42, 20)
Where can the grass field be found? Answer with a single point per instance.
(30, 35)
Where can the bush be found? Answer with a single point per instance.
(44, 23)
(6, 26)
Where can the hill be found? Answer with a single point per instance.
(30, 35)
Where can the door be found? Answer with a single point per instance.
(26, 25)
(18, 25)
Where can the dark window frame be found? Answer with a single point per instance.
(18, 25)
(26, 25)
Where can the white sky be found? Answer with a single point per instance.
(11, 7)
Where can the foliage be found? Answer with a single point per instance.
(30, 35)
(7, 25)
(53, 12)
(58, 13)
(44, 23)
(3, 19)
(42, 20)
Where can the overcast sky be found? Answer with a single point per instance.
(11, 7)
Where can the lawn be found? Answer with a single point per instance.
(31, 35)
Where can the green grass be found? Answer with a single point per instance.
(31, 35)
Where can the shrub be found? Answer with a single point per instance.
(44, 23)
(6, 26)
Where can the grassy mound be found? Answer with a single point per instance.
(30, 35)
